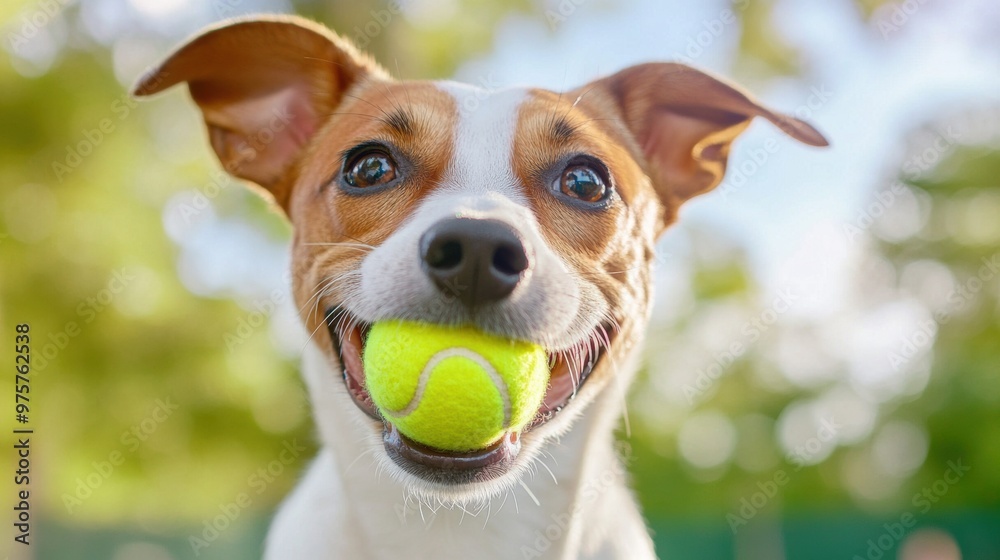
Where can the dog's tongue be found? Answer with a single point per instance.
(563, 383)
(354, 371)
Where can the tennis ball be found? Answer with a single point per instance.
(453, 388)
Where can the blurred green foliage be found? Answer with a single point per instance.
(960, 407)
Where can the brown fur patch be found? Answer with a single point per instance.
(333, 227)
(610, 247)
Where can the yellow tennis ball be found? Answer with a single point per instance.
(453, 388)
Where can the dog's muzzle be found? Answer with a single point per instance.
(475, 263)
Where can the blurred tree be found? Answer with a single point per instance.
(931, 236)
(950, 261)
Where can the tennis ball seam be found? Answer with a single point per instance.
(425, 374)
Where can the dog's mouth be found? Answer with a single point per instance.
(568, 370)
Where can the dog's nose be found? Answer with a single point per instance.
(475, 260)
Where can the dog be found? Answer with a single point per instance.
(549, 205)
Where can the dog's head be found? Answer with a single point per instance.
(523, 212)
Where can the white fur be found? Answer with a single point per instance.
(484, 141)
(565, 497)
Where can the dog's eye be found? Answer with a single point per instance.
(582, 182)
(370, 169)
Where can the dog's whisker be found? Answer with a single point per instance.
(600, 273)
(485, 505)
(578, 362)
(552, 116)
(406, 91)
(358, 458)
(489, 511)
(317, 294)
(388, 118)
(343, 323)
(464, 512)
(351, 245)
(546, 467)
(530, 493)
(406, 506)
(502, 503)
(335, 113)
(394, 101)
(581, 96)
(326, 318)
(550, 454)
(324, 288)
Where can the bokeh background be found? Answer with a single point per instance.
(824, 358)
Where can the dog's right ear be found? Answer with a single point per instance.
(265, 86)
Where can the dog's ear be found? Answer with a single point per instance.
(264, 86)
(684, 120)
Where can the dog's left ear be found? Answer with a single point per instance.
(264, 85)
(684, 121)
